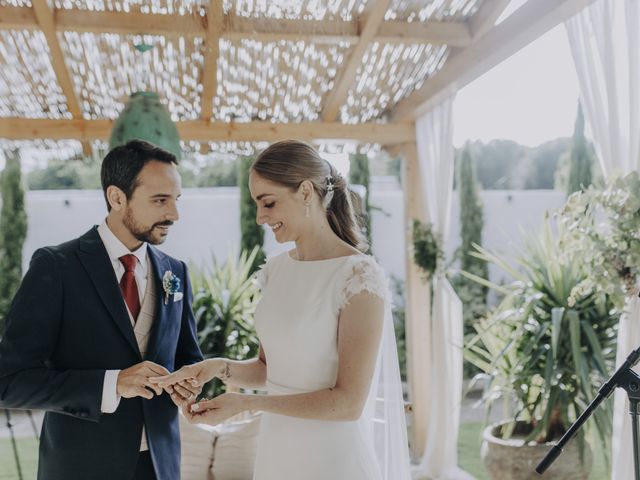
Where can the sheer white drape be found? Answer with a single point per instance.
(605, 45)
(434, 140)
(385, 408)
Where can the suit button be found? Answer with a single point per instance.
(83, 414)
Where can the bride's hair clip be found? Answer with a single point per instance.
(329, 183)
(326, 201)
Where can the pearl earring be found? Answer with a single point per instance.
(306, 210)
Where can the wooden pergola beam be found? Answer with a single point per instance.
(202, 131)
(45, 20)
(131, 23)
(18, 18)
(44, 17)
(485, 18)
(454, 34)
(370, 23)
(268, 29)
(212, 52)
(525, 25)
(418, 321)
(237, 27)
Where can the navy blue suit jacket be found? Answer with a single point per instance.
(67, 325)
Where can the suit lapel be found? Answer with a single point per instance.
(159, 265)
(95, 260)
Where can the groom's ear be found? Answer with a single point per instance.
(116, 198)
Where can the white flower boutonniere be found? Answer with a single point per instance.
(170, 284)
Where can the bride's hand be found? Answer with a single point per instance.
(218, 409)
(197, 374)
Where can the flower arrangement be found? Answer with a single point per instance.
(170, 285)
(603, 228)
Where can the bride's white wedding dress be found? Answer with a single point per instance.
(297, 323)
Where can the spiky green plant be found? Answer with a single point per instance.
(224, 302)
(546, 357)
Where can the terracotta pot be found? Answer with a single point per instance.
(513, 459)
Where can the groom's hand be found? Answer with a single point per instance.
(134, 381)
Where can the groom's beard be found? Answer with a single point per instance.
(142, 233)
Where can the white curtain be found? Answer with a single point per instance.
(434, 140)
(605, 45)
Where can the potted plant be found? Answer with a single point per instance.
(224, 302)
(546, 353)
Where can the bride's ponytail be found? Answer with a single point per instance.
(340, 212)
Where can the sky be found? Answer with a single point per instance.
(529, 98)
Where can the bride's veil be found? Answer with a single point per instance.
(384, 411)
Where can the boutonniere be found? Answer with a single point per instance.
(170, 284)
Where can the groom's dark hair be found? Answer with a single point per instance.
(122, 165)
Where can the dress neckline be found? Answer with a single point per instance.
(294, 260)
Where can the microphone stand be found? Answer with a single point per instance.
(624, 378)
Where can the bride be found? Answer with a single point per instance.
(327, 356)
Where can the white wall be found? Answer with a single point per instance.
(209, 222)
(509, 216)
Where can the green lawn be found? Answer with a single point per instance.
(28, 453)
(468, 448)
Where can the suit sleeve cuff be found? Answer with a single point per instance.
(110, 398)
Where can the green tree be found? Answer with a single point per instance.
(13, 231)
(541, 164)
(580, 159)
(359, 175)
(252, 234)
(497, 163)
(504, 164)
(66, 175)
(218, 173)
(472, 294)
(188, 175)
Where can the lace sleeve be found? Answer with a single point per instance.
(362, 274)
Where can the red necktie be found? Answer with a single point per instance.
(128, 285)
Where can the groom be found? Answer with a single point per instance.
(93, 319)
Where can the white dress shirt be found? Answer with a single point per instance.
(116, 249)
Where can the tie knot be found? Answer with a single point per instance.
(129, 262)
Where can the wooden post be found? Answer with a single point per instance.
(418, 306)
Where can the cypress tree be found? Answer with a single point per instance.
(472, 294)
(580, 160)
(252, 234)
(359, 175)
(13, 231)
